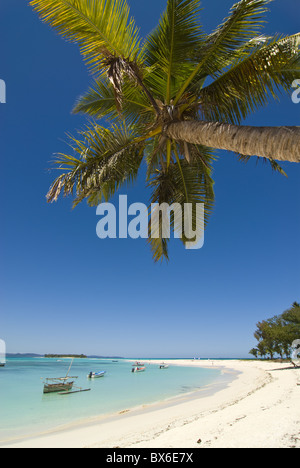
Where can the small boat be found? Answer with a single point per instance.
(96, 375)
(138, 364)
(164, 366)
(59, 384)
(2, 364)
(138, 369)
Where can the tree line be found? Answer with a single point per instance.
(276, 335)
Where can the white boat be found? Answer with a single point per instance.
(138, 364)
(138, 369)
(96, 375)
(164, 366)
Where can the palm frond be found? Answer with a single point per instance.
(274, 164)
(244, 23)
(184, 182)
(108, 158)
(100, 28)
(272, 67)
(228, 41)
(99, 102)
(170, 45)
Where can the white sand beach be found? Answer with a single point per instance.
(260, 408)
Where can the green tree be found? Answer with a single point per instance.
(262, 351)
(264, 334)
(291, 320)
(292, 316)
(276, 335)
(254, 352)
(171, 99)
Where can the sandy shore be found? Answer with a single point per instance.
(258, 409)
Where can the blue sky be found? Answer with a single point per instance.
(64, 290)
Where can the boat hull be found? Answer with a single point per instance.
(96, 375)
(138, 369)
(60, 387)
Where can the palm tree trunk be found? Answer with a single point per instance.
(278, 143)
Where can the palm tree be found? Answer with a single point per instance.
(171, 100)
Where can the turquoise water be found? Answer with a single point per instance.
(24, 410)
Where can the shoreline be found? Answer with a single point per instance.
(219, 383)
(256, 407)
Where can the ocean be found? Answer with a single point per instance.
(25, 411)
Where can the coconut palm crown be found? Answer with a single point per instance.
(171, 99)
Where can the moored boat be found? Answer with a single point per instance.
(96, 375)
(138, 369)
(59, 384)
(164, 366)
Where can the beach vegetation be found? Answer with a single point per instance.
(276, 335)
(171, 100)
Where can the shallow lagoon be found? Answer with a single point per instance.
(25, 411)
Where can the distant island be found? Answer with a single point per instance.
(59, 356)
(23, 355)
(77, 356)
